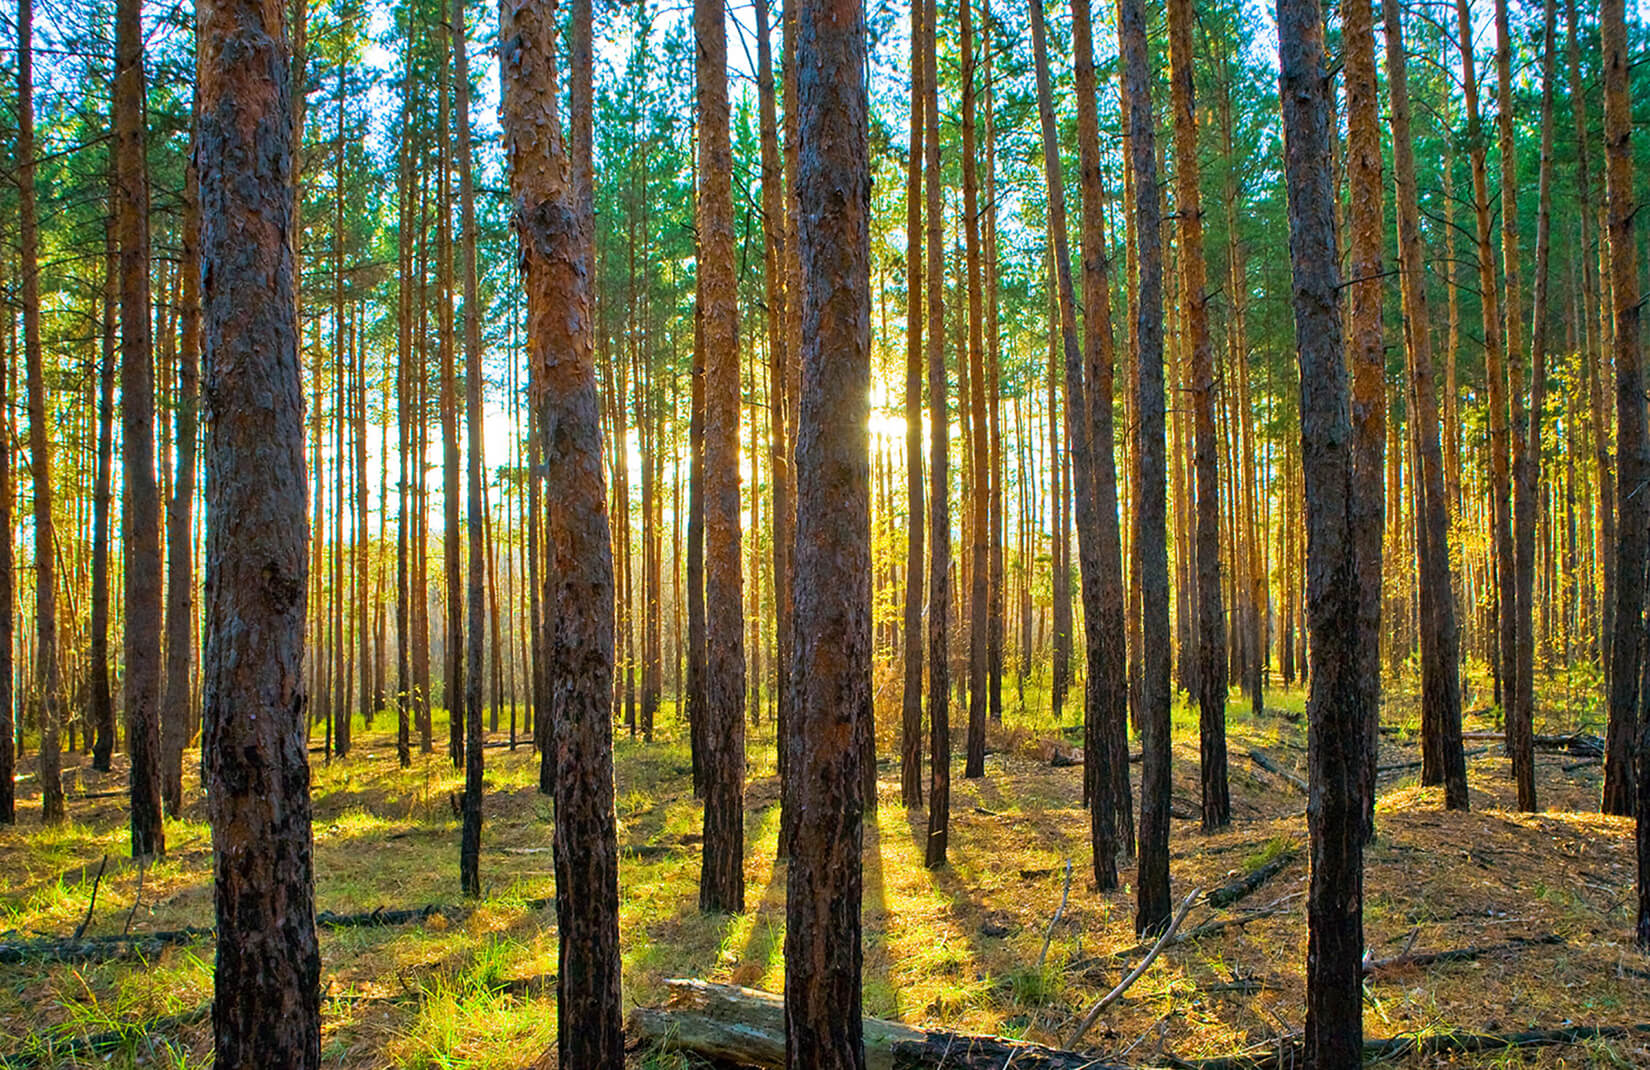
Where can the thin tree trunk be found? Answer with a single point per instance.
(911, 695)
(451, 553)
(1150, 539)
(939, 476)
(1338, 702)
(103, 708)
(722, 878)
(979, 531)
(1440, 640)
(266, 1008)
(832, 711)
(1211, 613)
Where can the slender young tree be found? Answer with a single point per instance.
(177, 701)
(103, 707)
(1435, 583)
(1527, 463)
(939, 474)
(1337, 702)
(1366, 356)
(979, 505)
(1211, 612)
(1150, 537)
(266, 1007)
(911, 634)
(8, 600)
(48, 672)
(722, 877)
(474, 377)
(832, 676)
(552, 221)
(1106, 723)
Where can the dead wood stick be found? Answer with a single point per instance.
(1123, 985)
(136, 899)
(80, 930)
(1059, 913)
(1405, 959)
(1244, 886)
(1260, 758)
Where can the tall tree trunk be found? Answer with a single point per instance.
(1632, 457)
(470, 840)
(1211, 614)
(911, 695)
(1494, 356)
(979, 504)
(451, 552)
(722, 877)
(832, 709)
(177, 710)
(1632, 465)
(1365, 352)
(1526, 474)
(1514, 566)
(1336, 708)
(1604, 540)
(48, 681)
(266, 1008)
(552, 219)
(103, 707)
(1440, 640)
(1150, 539)
(939, 476)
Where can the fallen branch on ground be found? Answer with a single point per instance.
(1093, 969)
(1399, 767)
(1406, 959)
(1123, 986)
(1290, 1053)
(1244, 886)
(747, 1027)
(1577, 743)
(1266, 763)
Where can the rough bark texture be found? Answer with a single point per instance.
(1088, 546)
(911, 693)
(177, 701)
(832, 711)
(1106, 719)
(1632, 453)
(722, 876)
(1336, 703)
(979, 527)
(47, 671)
(1211, 613)
(1494, 357)
(939, 476)
(1366, 355)
(1150, 536)
(1527, 466)
(266, 1007)
(452, 554)
(1440, 639)
(1514, 567)
(475, 529)
(553, 227)
(8, 705)
(103, 707)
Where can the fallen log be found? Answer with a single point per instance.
(747, 1027)
(1244, 886)
(1581, 744)
(1260, 758)
(1417, 960)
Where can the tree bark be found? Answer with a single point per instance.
(266, 1007)
(475, 594)
(1211, 613)
(1440, 639)
(722, 877)
(47, 673)
(103, 708)
(1150, 538)
(1336, 707)
(1366, 354)
(553, 223)
(911, 693)
(939, 476)
(831, 712)
(979, 528)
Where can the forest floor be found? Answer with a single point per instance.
(1546, 898)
